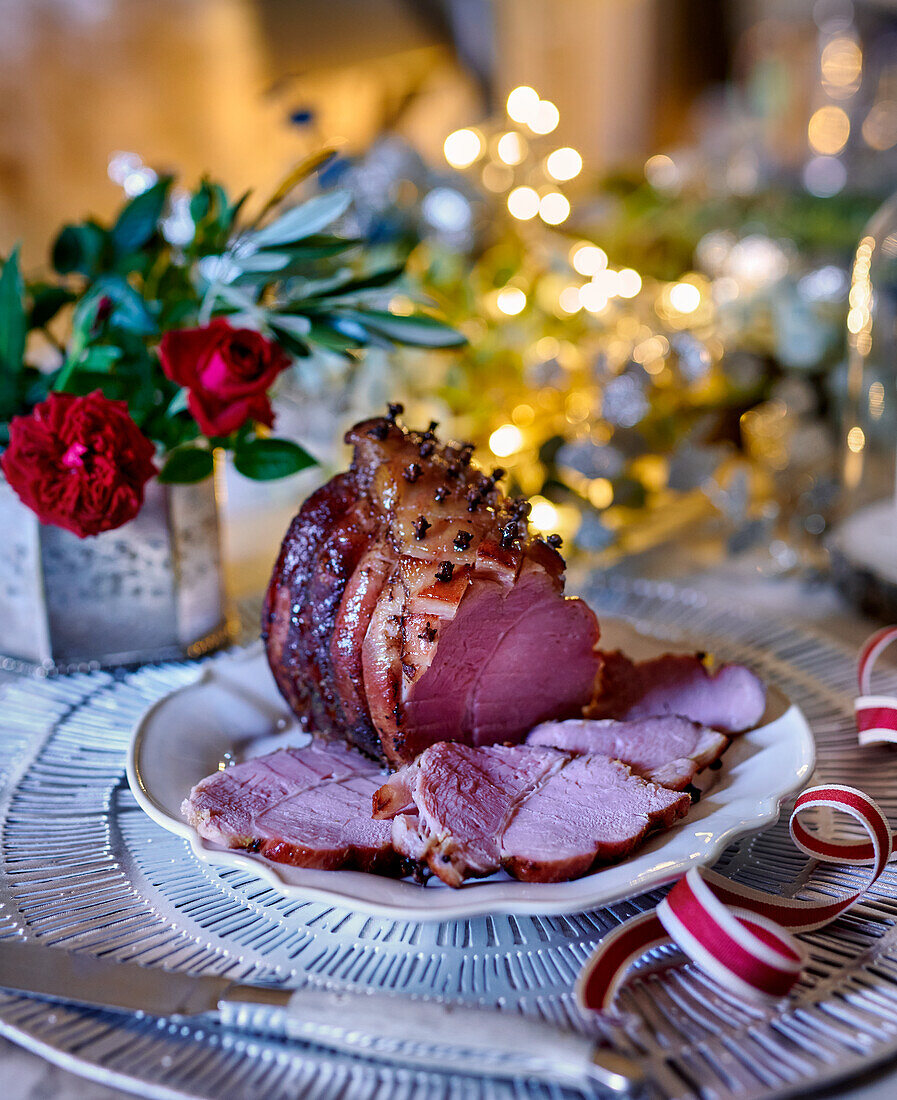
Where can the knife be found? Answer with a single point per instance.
(386, 1027)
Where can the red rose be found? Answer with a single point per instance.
(227, 371)
(79, 462)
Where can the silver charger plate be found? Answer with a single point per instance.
(234, 710)
(82, 867)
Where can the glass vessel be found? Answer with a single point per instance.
(863, 546)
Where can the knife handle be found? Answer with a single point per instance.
(431, 1035)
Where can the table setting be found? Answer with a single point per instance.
(447, 587)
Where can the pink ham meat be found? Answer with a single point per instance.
(309, 807)
(668, 750)
(730, 698)
(409, 605)
(542, 814)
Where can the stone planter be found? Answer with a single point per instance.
(148, 591)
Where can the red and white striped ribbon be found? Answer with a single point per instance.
(743, 937)
(876, 714)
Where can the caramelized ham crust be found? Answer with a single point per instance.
(409, 605)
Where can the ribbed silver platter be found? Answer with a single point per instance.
(82, 867)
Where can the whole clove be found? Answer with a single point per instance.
(421, 527)
(462, 541)
(444, 572)
(394, 409)
(428, 634)
(412, 472)
(379, 431)
(509, 535)
(441, 493)
(555, 542)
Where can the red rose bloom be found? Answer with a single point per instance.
(79, 462)
(227, 371)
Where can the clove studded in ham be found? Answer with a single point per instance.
(309, 807)
(409, 605)
(668, 750)
(541, 814)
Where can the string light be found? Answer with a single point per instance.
(523, 203)
(588, 259)
(828, 130)
(569, 299)
(592, 298)
(629, 282)
(685, 297)
(511, 148)
(462, 148)
(564, 163)
(554, 208)
(544, 118)
(544, 516)
(523, 102)
(506, 440)
(511, 300)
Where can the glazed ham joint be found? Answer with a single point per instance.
(413, 623)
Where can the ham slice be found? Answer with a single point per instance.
(668, 750)
(542, 814)
(730, 698)
(308, 807)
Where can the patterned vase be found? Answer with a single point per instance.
(148, 591)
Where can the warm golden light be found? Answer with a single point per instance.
(629, 282)
(544, 516)
(856, 439)
(523, 202)
(569, 300)
(592, 297)
(661, 172)
(841, 64)
(544, 118)
(876, 400)
(522, 103)
(880, 125)
(554, 208)
(685, 297)
(523, 414)
(505, 441)
(462, 148)
(607, 281)
(563, 163)
(511, 148)
(511, 300)
(828, 130)
(600, 493)
(588, 259)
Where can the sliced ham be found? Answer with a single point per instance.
(542, 814)
(308, 807)
(730, 698)
(668, 750)
(410, 605)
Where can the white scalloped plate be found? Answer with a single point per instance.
(234, 708)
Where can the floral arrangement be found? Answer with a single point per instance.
(146, 351)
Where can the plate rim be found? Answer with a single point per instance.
(752, 817)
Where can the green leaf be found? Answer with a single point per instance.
(261, 262)
(302, 221)
(291, 323)
(332, 339)
(46, 302)
(418, 329)
(13, 331)
(186, 465)
(129, 310)
(79, 248)
(138, 220)
(269, 459)
(302, 171)
(178, 403)
(102, 357)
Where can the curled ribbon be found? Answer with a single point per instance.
(743, 937)
(876, 714)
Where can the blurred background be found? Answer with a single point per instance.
(644, 214)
